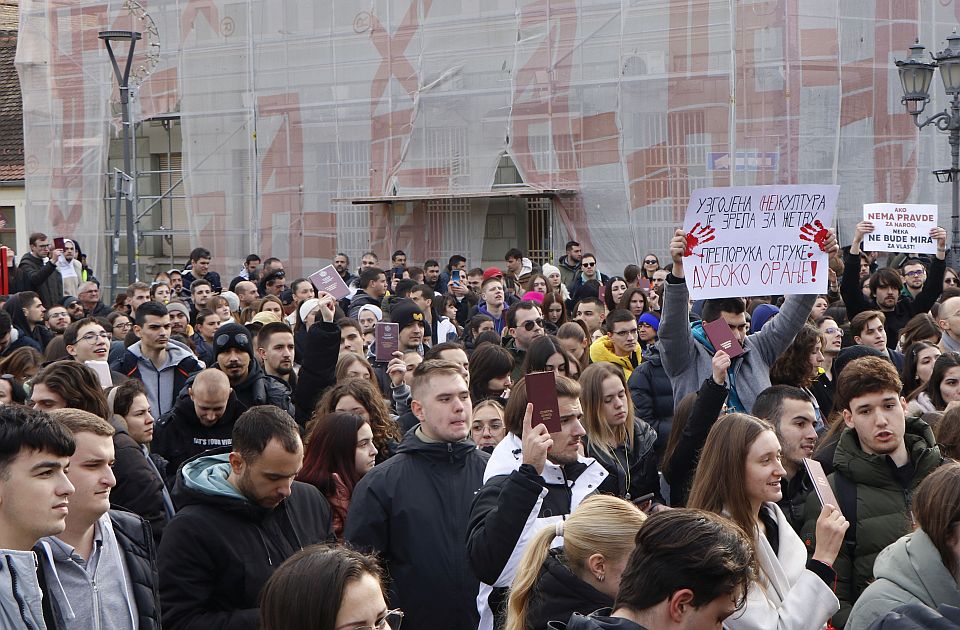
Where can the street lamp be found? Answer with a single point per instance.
(915, 77)
(123, 79)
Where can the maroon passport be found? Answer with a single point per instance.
(820, 483)
(542, 392)
(387, 340)
(719, 333)
(329, 281)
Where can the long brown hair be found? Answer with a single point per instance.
(718, 485)
(601, 524)
(384, 427)
(602, 436)
(936, 508)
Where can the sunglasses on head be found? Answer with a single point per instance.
(533, 323)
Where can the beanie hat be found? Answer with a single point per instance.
(852, 353)
(651, 320)
(180, 307)
(232, 299)
(549, 270)
(308, 306)
(405, 313)
(533, 296)
(761, 315)
(376, 310)
(492, 272)
(232, 336)
(68, 300)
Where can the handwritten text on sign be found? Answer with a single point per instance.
(900, 228)
(758, 240)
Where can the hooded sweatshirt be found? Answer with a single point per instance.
(909, 571)
(602, 350)
(180, 435)
(164, 383)
(21, 604)
(220, 548)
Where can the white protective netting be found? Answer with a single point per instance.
(288, 104)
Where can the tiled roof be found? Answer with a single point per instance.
(11, 111)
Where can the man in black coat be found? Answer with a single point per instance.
(318, 370)
(413, 508)
(240, 515)
(38, 271)
(233, 354)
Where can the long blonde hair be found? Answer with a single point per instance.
(601, 524)
(600, 435)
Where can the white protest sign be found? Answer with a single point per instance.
(900, 227)
(758, 240)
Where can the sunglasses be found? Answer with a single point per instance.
(589, 264)
(649, 262)
(953, 281)
(533, 323)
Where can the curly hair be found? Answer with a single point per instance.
(385, 428)
(793, 366)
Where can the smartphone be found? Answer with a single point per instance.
(455, 276)
(387, 340)
(398, 273)
(59, 243)
(542, 392)
(639, 502)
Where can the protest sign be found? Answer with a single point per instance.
(900, 227)
(758, 240)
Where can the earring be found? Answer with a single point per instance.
(600, 577)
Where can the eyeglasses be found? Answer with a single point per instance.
(632, 332)
(589, 264)
(533, 323)
(831, 331)
(123, 326)
(92, 337)
(915, 273)
(391, 620)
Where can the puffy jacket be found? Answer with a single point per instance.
(882, 505)
(413, 510)
(318, 371)
(689, 361)
(360, 299)
(602, 350)
(568, 270)
(20, 593)
(652, 395)
(135, 540)
(919, 617)
(910, 571)
(179, 435)
(259, 389)
(591, 622)
(220, 549)
(139, 486)
(163, 384)
(642, 477)
(558, 593)
(41, 277)
(514, 503)
(212, 277)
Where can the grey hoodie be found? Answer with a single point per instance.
(20, 595)
(909, 571)
(160, 383)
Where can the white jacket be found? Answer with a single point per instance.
(789, 596)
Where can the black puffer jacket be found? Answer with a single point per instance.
(558, 593)
(413, 510)
(633, 468)
(219, 550)
(139, 488)
(652, 395)
(260, 389)
(318, 371)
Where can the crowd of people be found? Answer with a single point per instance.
(239, 455)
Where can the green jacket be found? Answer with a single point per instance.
(883, 506)
(909, 571)
(519, 356)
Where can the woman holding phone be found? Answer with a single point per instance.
(739, 477)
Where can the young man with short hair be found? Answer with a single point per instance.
(690, 569)
(569, 263)
(373, 287)
(492, 300)
(439, 328)
(431, 274)
(233, 354)
(27, 312)
(591, 312)
(620, 345)
(37, 271)
(57, 318)
(101, 571)
(588, 273)
(275, 350)
(161, 363)
(200, 259)
(341, 262)
(880, 459)
(34, 502)
(792, 415)
(200, 293)
(241, 514)
(137, 294)
(868, 328)
(524, 325)
(417, 503)
(351, 336)
(914, 274)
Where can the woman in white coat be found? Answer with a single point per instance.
(739, 477)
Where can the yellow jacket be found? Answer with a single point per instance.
(602, 350)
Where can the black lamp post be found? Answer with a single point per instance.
(915, 77)
(123, 78)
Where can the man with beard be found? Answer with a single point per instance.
(233, 355)
(74, 308)
(341, 262)
(57, 319)
(179, 318)
(886, 286)
(275, 349)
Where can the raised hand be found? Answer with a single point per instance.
(697, 236)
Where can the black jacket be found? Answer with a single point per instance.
(43, 278)
(361, 298)
(41, 335)
(219, 551)
(318, 371)
(579, 622)
(652, 395)
(634, 468)
(906, 306)
(260, 389)
(179, 435)
(139, 488)
(413, 510)
(135, 539)
(558, 593)
(212, 277)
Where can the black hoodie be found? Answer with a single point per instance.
(40, 333)
(219, 550)
(579, 622)
(558, 593)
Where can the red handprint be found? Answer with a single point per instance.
(698, 236)
(815, 233)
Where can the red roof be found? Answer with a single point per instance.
(11, 111)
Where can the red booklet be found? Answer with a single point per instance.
(820, 483)
(329, 281)
(719, 333)
(387, 340)
(542, 392)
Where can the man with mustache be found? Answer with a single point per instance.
(233, 355)
(533, 480)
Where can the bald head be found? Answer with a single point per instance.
(210, 393)
(247, 292)
(948, 317)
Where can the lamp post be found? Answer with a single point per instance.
(123, 79)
